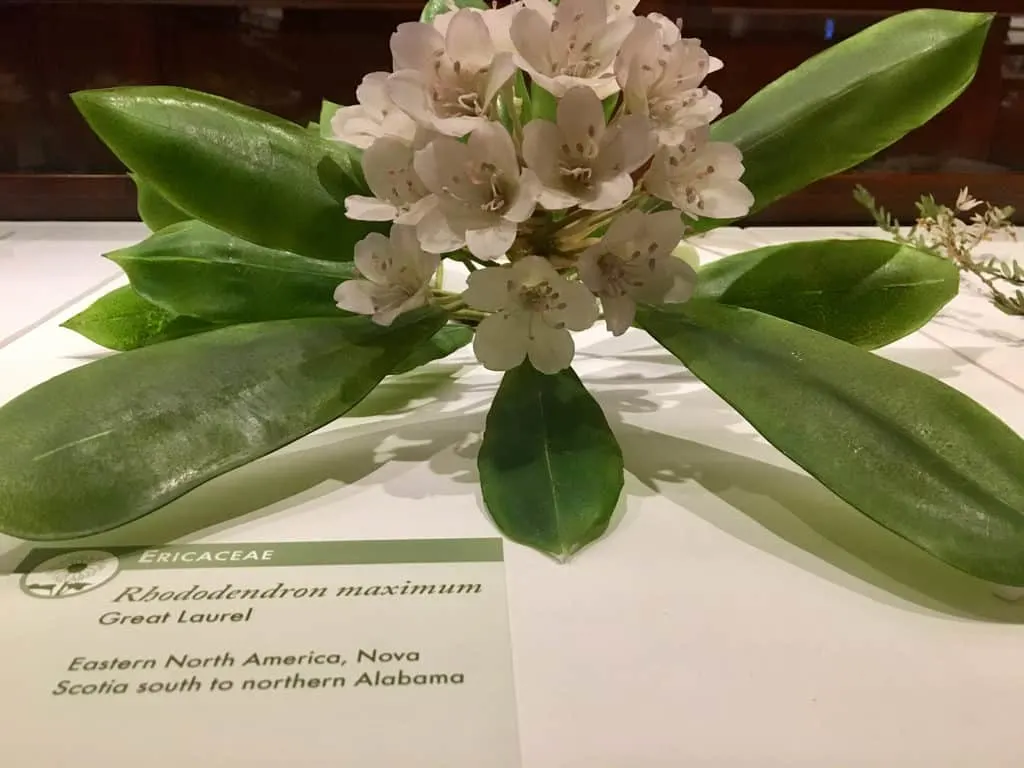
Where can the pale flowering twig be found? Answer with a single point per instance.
(955, 233)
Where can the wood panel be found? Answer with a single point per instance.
(284, 56)
(79, 197)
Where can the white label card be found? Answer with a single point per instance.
(375, 653)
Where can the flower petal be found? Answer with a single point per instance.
(726, 199)
(491, 242)
(414, 214)
(502, 70)
(610, 193)
(388, 312)
(371, 256)
(577, 22)
(416, 46)
(531, 36)
(619, 312)
(353, 125)
(589, 268)
(578, 309)
(372, 93)
(388, 168)
(684, 281)
(410, 93)
(501, 340)
(664, 230)
(628, 144)
(541, 140)
(525, 202)
(354, 296)
(491, 143)
(488, 289)
(556, 199)
(360, 208)
(442, 165)
(608, 43)
(468, 40)
(618, 8)
(435, 234)
(624, 230)
(550, 349)
(581, 121)
(637, 46)
(531, 270)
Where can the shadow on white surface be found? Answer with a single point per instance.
(721, 471)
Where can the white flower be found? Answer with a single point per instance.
(534, 310)
(661, 76)
(373, 117)
(397, 273)
(447, 83)
(579, 160)
(481, 191)
(498, 21)
(634, 262)
(572, 45)
(400, 196)
(700, 177)
(614, 9)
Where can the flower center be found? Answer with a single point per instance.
(540, 297)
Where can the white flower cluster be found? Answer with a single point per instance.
(457, 160)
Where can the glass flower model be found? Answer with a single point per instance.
(556, 151)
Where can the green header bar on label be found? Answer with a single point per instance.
(289, 553)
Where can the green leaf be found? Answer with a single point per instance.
(522, 92)
(867, 292)
(550, 467)
(243, 171)
(543, 105)
(609, 106)
(327, 110)
(853, 100)
(449, 339)
(437, 7)
(155, 210)
(122, 320)
(193, 269)
(163, 420)
(911, 453)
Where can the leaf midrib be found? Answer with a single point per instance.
(549, 467)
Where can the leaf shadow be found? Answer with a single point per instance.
(792, 516)
(724, 474)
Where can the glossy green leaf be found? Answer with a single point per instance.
(155, 210)
(550, 468)
(193, 269)
(853, 100)
(161, 421)
(241, 170)
(437, 7)
(449, 339)
(867, 292)
(122, 320)
(543, 105)
(908, 451)
(327, 111)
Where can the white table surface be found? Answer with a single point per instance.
(738, 615)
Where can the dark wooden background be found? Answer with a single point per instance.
(285, 56)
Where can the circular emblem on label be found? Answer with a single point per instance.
(70, 574)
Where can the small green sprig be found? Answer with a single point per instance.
(954, 233)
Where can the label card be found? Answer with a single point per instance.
(375, 653)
